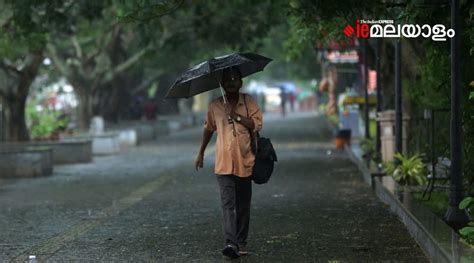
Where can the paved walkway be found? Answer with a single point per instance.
(148, 204)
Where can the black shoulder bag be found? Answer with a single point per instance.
(265, 155)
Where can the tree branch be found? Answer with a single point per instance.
(6, 16)
(145, 84)
(30, 72)
(387, 5)
(136, 58)
(102, 41)
(58, 62)
(77, 46)
(10, 68)
(135, 15)
(125, 65)
(3, 94)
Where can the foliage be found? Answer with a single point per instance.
(304, 67)
(320, 22)
(389, 167)
(95, 55)
(26, 26)
(468, 129)
(175, 34)
(368, 147)
(408, 170)
(210, 25)
(431, 86)
(334, 119)
(437, 203)
(44, 123)
(468, 231)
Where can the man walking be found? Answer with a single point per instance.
(233, 118)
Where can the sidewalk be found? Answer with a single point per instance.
(148, 204)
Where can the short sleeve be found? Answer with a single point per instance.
(210, 122)
(255, 114)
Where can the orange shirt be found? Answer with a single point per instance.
(233, 152)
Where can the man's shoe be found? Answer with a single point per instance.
(243, 251)
(230, 251)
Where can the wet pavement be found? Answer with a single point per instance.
(149, 204)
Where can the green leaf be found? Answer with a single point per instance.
(466, 202)
(467, 231)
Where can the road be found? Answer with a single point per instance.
(149, 204)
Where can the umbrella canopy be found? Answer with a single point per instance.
(288, 87)
(208, 74)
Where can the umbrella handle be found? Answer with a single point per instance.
(229, 119)
(222, 91)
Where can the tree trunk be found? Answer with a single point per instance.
(166, 106)
(84, 108)
(411, 51)
(110, 104)
(14, 98)
(14, 122)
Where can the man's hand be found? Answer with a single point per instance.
(230, 111)
(199, 161)
(206, 137)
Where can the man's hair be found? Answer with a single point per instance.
(231, 70)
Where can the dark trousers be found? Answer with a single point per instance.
(236, 193)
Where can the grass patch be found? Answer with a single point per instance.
(333, 119)
(438, 203)
(373, 128)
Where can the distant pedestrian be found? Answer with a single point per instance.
(263, 101)
(136, 109)
(233, 119)
(283, 98)
(292, 98)
(150, 109)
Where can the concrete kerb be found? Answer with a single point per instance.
(127, 138)
(145, 132)
(22, 162)
(105, 144)
(180, 122)
(422, 236)
(133, 133)
(64, 151)
(362, 167)
(152, 130)
(438, 249)
(102, 144)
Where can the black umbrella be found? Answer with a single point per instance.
(207, 75)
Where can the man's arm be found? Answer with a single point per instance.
(247, 122)
(206, 137)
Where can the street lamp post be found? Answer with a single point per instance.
(379, 92)
(454, 215)
(398, 97)
(366, 93)
(2, 126)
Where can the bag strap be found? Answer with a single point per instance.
(253, 135)
(248, 116)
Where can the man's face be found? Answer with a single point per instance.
(231, 81)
